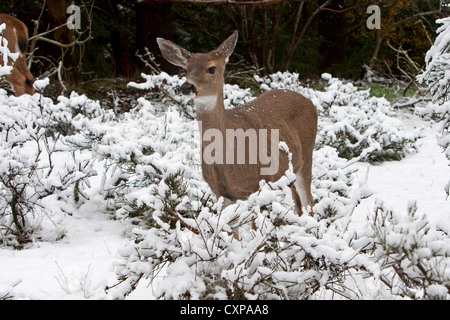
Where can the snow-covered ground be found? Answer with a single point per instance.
(81, 264)
(419, 177)
(77, 267)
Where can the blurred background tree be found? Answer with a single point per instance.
(305, 36)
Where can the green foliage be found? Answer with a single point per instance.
(389, 92)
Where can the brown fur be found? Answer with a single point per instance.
(292, 114)
(16, 33)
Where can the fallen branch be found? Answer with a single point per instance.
(410, 102)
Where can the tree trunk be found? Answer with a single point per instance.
(303, 32)
(154, 19)
(331, 25)
(376, 49)
(57, 16)
(119, 43)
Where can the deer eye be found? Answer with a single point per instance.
(212, 70)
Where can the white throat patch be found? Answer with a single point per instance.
(205, 103)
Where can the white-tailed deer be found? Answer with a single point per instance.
(16, 33)
(289, 117)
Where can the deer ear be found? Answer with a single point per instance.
(227, 47)
(173, 53)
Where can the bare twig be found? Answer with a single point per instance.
(303, 32)
(227, 2)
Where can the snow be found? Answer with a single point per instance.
(419, 177)
(41, 84)
(77, 267)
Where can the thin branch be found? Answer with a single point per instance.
(60, 77)
(422, 14)
(40, 35)
(302, 33)
(68, 45)
(227, 2)
(33, 43)
(365, 4)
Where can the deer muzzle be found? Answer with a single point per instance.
(188, 88)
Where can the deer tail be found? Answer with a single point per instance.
(22, 40)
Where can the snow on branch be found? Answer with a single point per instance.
(6, 55)
(437, 73)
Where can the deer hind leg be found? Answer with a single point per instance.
(301, 190)
(21, 66)
(298, 204)
(18, 81)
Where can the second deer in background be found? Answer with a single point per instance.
(16, 33)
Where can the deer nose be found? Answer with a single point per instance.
(188, 88)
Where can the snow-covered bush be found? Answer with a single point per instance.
(413, 256)
(437, 72)
(165, 89)
(255, 249)
(144, 153)
(436, 77)
(37, 171)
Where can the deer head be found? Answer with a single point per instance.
(204, 71)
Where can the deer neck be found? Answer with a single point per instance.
(211, 111)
